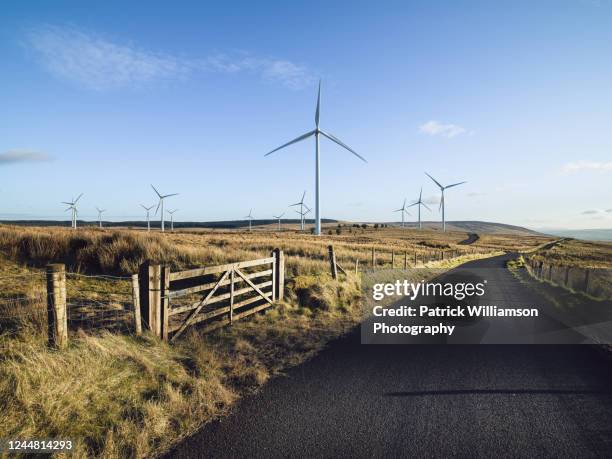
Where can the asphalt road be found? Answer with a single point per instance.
(355, 400)
(472, 237)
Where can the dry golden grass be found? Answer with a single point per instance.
(574, 252)
(118, 395)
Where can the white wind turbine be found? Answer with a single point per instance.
(171, 212)
(301, 212)
(403, 211)
(72, 206)
(316, 132)
(279, 219)
(420, 203)
(161, 204)
(250, 217)
(148, 210)
(100, 211)
(442, 188)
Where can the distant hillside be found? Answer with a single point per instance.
(477, 227)
(584, 234)
(228, 224)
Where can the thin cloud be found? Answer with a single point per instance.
(609, 210)
(577, 166)
(590, 212)
(434, 128)
(96, 63)
(431, 200)
(475, 195)
(22, 156)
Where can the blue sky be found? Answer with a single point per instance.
(104, 98)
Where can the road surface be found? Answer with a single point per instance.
(355, 400)
(472, 237)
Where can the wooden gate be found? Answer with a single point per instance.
(213, 296)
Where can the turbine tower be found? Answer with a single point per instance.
(100, 216)
(316, 132)
(279, 219)
(161, 204)
(403, 211)
(171, 212)
(420, 203)
(148, 210)
(301, 212)
(72, 206)
(442, 188)
(250, 217)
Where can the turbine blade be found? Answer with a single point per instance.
(156, 192)
(437, 183)
(296, 204)
(77, 199)
(296, 140)
(414, 204)
(425, 205)
(158, 204)
(318, 106)
(168, 195)
(303, 195)
(420, 193)
(67, 203)
(441, 203)
(455, 184)
(399, 210)
(343, 145)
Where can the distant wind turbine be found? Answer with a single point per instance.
(250, 217)
(100, 216)
(302, 214)
(420, 203)
(148, 210)
(317, 132)
(171, 212)
(279, 219)
(442, 188)
(72, 206)
(301, 204)
(161, 204)
(403, 211)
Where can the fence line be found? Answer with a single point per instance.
(595, 282)
(166, 303)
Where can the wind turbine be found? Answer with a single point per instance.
(442, 188)
(161, 204)
(250, 217)
(148, 209)
(100, 216)
(403, 211)
(171, 212)
(301, 212)
(420, 203)
(318, 132)
(279, 219)
(72, 206)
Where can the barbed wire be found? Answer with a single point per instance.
(99, 276)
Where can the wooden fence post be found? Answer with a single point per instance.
(165, 301)
(442, 254)
(136, 301)
(57, 315)
(232, 274)
(356, 265)
(587, 273)
(566, 281)
(373, 258)
(150, 298)
(279, 275)
(405, 260)
(415, 258)
(332, 262)
(393, 259)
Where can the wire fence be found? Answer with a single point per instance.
(99, 302)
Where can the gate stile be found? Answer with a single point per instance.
(174, 285)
